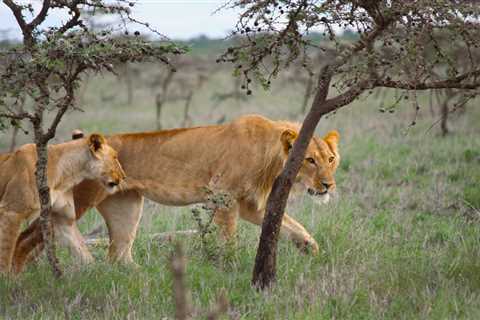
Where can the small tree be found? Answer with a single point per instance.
(181, 293)
(393, 36)
(47, 67)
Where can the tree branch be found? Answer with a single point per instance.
(74, 20)
(41, 15)
(62, 108)
(365, 41)
(323, 84)
(452, 83)
(17, 12)
(346, 97)
(19, 116)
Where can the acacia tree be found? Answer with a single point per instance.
(47, 67)
(393, 36)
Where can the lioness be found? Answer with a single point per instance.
(68, 164)
(173, 167)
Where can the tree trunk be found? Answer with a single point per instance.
(236, 92)
(13, 142)
(187, 121)
(160, 98)
(264, 272)
(432, 97)
(444, 120)
(159, 104)
(449, 96)
(45, 204)
(129, 83)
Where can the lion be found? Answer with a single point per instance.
(176, 167)
(68, 164)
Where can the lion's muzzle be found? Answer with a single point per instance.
(314, 192)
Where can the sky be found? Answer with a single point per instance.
(176, 19)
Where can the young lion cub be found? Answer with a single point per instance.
(68, 164)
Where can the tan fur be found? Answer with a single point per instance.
(68, 164)
(173, 167)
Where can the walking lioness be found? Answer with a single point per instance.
(175, 167)
(68, 164)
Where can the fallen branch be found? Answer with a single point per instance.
(161, 237)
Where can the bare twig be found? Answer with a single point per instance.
(183, 308)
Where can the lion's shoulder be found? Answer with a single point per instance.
(255, 122)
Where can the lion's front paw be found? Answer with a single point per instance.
(308, 245)
(313, 246)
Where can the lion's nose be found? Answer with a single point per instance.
(327, 185)
(112, 184)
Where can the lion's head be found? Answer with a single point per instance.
(104, 164)
(318, 168)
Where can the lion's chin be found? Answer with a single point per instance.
(111, 189)
(321, 199)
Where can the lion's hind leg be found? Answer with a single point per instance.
(9, 230)
(226, 220)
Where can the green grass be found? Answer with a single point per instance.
(400, 241)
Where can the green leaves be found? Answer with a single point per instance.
(403, 41)
(48, 65)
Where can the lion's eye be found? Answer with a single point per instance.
(331, 159)
(311, 160)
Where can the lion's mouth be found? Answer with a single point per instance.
(320, 197)
(314, 192)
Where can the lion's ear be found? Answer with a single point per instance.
(287, 138)
(95, 142)
(77, 134)
(332, 138)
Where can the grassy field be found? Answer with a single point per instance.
(401, 240)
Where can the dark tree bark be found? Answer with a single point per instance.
(41, 139)
(449, 96)
(443, 123)
(45, 204)
(264, 272)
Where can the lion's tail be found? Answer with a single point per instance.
(29, 246)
